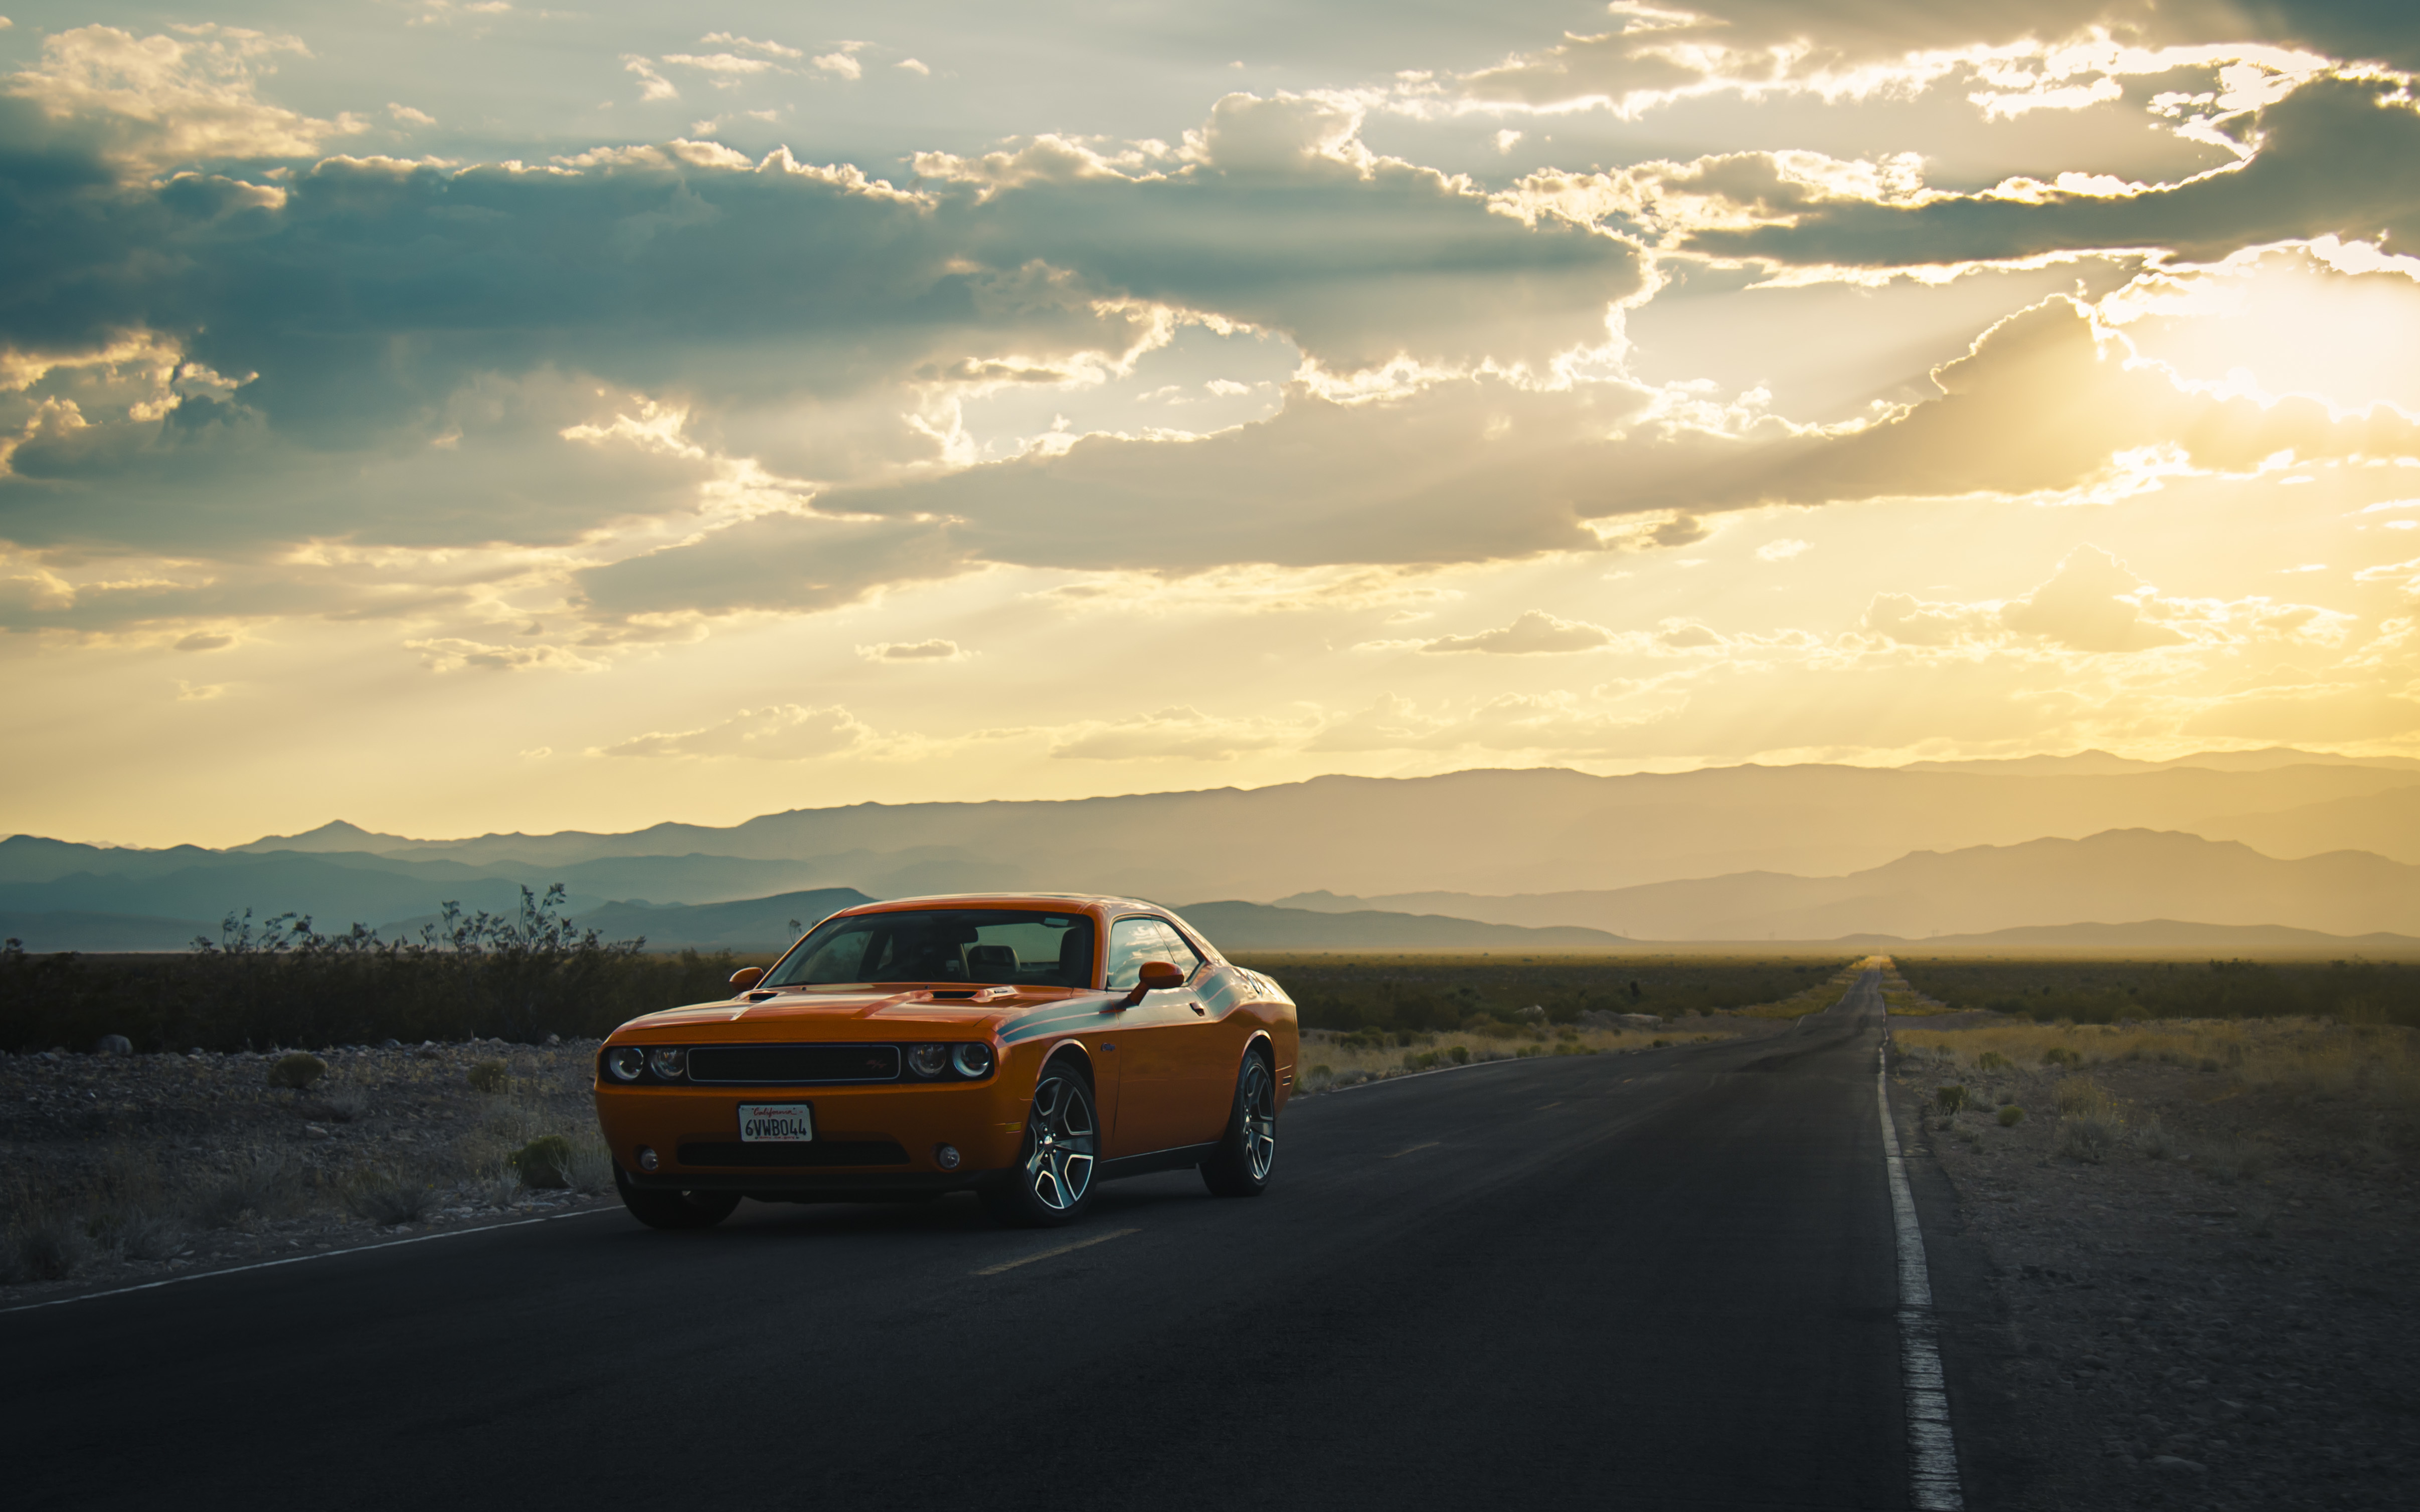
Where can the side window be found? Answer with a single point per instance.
(1132, 942)
(1178, 954)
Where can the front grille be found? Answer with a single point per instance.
(792, 1065)
(816, 1152)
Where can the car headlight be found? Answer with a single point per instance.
(670, 1065)
(928, 1060)
(972, 1060)
(625, 1063)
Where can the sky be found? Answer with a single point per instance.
(462, 417)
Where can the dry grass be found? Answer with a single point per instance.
(1331, 1059)
(2297, 1056)
(1816, 999)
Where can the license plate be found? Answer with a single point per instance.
(779, 1123)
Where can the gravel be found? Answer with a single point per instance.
(2166, 1338)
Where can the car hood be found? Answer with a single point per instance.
(872, 1014)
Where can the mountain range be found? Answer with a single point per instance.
(2279, 837)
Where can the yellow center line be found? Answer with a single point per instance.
(1544, 1106)
(1064, 1249)
(1401, 1153)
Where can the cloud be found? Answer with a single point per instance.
(779, 563)
(205, 640)
(405, 116)
(779, 732)
(1179, 733)
(2092, 603)
(1362, 260)
(2335, 157)
(841, 64)
(155, 102)
(913, 651)
(1456, 471)
(1781, 550)
(912, 65)
(2040, 404)
(2095, 604)
(1535, 633)
(450, 654)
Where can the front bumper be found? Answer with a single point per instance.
(866, 1139)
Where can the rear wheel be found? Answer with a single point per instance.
(1052, 1180)
(673, 1209)
(1241, 1166)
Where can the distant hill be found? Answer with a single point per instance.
(2386, 822)
(1425, 846)
(2107, 878)
(1483, 832)
(2102, 764)
(755, 924)
(70, 929)
(2158, 935)
(1243, 926)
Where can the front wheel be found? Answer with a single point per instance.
(1052, 1180)
(673, 1209)
(1241, 1166)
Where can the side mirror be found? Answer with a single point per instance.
(746, 977)
(1155, 976)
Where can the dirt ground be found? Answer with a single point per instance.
(2216, 1309)
(131, 1169)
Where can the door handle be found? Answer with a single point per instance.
(1198, 1008)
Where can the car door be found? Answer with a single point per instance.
(1159, 1039)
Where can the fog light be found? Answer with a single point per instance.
(627, 1063)
(647, 1159)
(972, 1060)
(928, 1060)
(672, 1065)
(946, 1157)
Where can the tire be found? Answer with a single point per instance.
(1241, 1166)
(1052, 1180)
(673, 1209)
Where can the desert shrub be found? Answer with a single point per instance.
(45, 1246)
(1950, 1097)
(2059, 1054)
(543, 1163)
(513, 976)
(2151, 1138)
(1419, 1059)
(491, 1076)
(259, 1186)
(1319, 1077)
(1990, 1060)
(2088, 1139)
(590, 1167)
(2011, 1116)
(297, 1070)
(138, 1233)
(388, 1197)
(2232, 1159)
(1459, 1054)
(2081, 1096)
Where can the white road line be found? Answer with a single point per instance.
(1051, 1254)
(298, 1260)
(1415, 1149)
(1932, 1454)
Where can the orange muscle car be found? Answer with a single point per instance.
(1025, 1046)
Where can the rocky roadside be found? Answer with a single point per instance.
(2229, 1324)
(123, 1170)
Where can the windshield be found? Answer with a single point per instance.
(993, 947)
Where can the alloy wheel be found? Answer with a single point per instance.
(1064, 1141)
(1260, 1119)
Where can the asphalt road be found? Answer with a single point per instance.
(1664, 1280)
